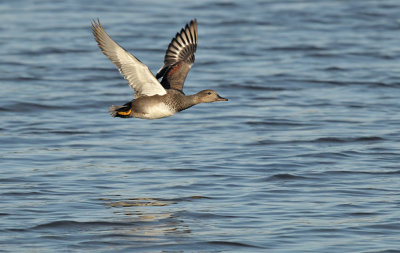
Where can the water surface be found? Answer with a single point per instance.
(303, 158)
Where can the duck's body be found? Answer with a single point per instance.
(156, 107)
(154, 100)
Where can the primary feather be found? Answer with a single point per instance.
(179, 57)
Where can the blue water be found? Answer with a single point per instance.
(303, 158)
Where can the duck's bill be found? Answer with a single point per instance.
(221, 98)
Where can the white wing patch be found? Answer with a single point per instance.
(138, 75)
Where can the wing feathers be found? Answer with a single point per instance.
(179, 57)
(138, 75)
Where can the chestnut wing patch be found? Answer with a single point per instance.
(179, 57)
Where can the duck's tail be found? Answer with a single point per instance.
(122, 111)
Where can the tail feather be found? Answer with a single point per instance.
(122, 111)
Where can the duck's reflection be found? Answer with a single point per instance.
(149, 217)
(140, 202)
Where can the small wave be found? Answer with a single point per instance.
(68, 224)
(182, 170)
(68, 132)
(207, 63)
(385, 226)
(203, 246)
(21, 78)
(285, 176)
(52, 50)
(297, 48)
(322, 140)
(13, 180)
(329, 155)
(347, 83)
(29, 107)
(234, 244)
(204, 215)
(323, 55)
(12, 63)
(277, 122)
(348, 172)
(347, 140)
(21, 193)
(235, 22)
(190, 198)
(362, 214)
(91, 69)
(374, 55)
(334, 69)
(225, 5)
(252, 87)
(387, 251)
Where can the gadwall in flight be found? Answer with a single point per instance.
(152, 99)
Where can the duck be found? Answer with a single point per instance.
(154, 99)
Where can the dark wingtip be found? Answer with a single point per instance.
(95, 25)
(95, 22)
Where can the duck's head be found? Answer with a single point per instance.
(208, 96)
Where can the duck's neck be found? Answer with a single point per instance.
(189, 101)
(193, 99)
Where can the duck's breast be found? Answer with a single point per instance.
(152, 108)
(159, 110)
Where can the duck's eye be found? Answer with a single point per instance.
(209, 93)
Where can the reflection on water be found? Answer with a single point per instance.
(138, 202)
(145, 220)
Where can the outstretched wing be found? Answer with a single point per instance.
(179, 57)
(138, 75)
